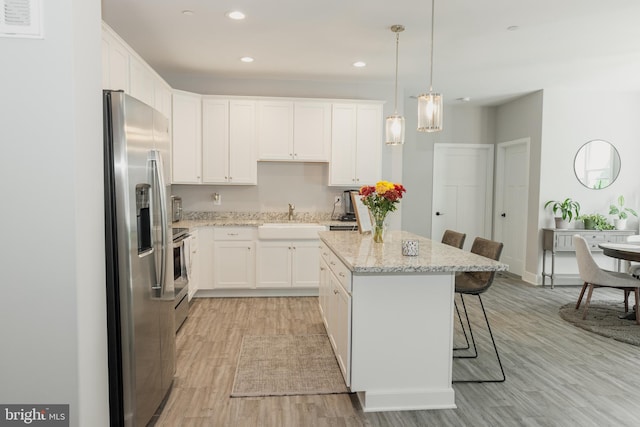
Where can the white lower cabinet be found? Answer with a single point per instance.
(234, 258)
(288, 264)
(194, 263)
(335, 306)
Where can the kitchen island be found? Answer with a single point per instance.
(390, 317)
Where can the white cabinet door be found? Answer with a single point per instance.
(194, 263)
(215, 141)
(234, 264)
(323, 292)
(305, 258)
(356, 144)
(243, 166)
(312, 131)
(162, 98)
(275, 130)
(205, 258)
(368, 144)
(343, 144)
(342, 330)
(115, 64)
(141, 80)
(274, 264)
(187, 138)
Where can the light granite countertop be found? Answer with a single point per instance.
(362, 255)
(253, 219)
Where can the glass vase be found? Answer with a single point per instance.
(378, 228)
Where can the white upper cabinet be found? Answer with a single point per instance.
(243, 166)
(141, 81)
(215, 141)
(187, 138)
(275, 130)
(291, 130)
(356, 144)
(123, 69)
(115, 63)
(312, 131)
(229, 141)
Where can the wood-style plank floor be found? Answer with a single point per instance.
(557, 374)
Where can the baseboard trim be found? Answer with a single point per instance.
(240, 293)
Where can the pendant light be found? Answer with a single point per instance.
(430, 103)
(394, 124)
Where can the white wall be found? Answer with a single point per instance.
(461, 124)
(522, 118)
(53, 330)
(571, 118)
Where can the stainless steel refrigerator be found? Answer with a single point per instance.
(140, 295)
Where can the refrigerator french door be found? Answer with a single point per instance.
(139, 260)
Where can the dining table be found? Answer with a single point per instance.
(622, 252)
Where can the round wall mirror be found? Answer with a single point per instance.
(597, 164)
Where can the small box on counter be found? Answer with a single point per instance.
(410, 247)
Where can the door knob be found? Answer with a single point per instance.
(503, 215)
(438, 214)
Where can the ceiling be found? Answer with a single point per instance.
(574, 43)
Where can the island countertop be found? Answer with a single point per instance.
(362, 255)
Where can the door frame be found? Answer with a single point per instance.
(489, 176)
(499, 189)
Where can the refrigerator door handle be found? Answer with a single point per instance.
(156, 158)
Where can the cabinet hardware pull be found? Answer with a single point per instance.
(232, 234)
(341, 274)
(335, 291)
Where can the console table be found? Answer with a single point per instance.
(561, 240)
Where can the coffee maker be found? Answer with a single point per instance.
(349, 213)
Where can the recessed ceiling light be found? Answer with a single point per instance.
(359, 64)
(236, 15)
(513, 28)
(463, 99)
(246, 59)
(187, 12)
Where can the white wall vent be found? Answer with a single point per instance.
(21, 18)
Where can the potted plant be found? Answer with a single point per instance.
(596, 221)
(568, 208)
(622, 214)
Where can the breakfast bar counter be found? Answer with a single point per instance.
(389, 317)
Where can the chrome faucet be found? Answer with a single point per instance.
(291, 209)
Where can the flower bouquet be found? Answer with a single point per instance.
(381, 200)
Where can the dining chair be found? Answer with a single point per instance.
(633, 268)
(476, 283)
(453, 238)
(595, 277)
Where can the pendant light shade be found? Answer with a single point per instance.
(394, 130)
(430, 103)
(394, 125)
(430, 112)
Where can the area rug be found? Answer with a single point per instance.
(280, 365)
(602, 319)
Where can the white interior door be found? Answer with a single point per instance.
(462, 190)
(512, 188)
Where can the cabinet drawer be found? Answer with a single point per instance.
(325, 252)
(344, 276)
(234, 233)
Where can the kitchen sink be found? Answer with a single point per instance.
(289, 230)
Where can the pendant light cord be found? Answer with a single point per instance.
(432, 32)
(395, 107)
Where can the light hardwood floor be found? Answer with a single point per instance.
(557, 374)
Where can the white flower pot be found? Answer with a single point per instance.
(561, 224)
(620, 224)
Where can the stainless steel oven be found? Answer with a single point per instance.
(181, 260)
